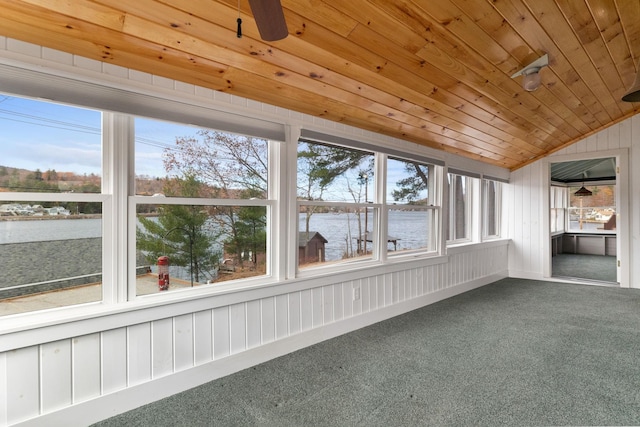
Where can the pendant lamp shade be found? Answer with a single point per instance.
(633, 94)
(582, 192)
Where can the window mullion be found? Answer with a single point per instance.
(115, 155)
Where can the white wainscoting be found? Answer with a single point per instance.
(524, 200)
(82, 379)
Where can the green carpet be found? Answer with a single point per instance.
(512, 353)
(591, 267)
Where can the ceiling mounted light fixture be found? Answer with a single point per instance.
(633, 94)
(531, 73)
(582, 192)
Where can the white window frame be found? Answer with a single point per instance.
(470, 198)
(497, 209)
(435, 207)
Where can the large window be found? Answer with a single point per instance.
(202, 209)
(460, 208)
(558, 207)
(109, 207)
(491, 208)
(594, 213)
(412, 207)
(51, 205)
(337, 219)
(348, 214)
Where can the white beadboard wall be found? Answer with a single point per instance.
(82, 379)
(89, 369)
(525, 200)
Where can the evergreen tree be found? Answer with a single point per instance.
(183, 233)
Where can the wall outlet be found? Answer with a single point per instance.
(356, 293)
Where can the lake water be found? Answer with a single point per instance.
(44, 230)
(341, 230)
(410, 230)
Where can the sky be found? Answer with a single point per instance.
(47, 136)
(38, 135)
(43, 135)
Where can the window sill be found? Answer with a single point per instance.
(464, 247)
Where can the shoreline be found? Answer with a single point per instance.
(48, 217)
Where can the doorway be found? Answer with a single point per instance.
(583, 210)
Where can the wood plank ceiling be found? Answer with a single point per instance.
(435, 72)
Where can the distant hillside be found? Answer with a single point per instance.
(15, 179)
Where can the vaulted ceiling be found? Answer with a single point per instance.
(435, 72)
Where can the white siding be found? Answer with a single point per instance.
(528, 187)
(165, 346)
(86, 367)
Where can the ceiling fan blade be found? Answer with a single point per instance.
(269, 18)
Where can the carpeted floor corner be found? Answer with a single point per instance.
(512, 353)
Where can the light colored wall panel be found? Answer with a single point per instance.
(55, 375)
(203, 336)
(388, 290)
(268, 320)
(630, 134)
(317, 309)
(221, 337)
(23, 384)
(162, 347)
(327, 303)
(139, 353)
(347, 299)
(524, 200)
(254, 318)
(114, 360)
(238, 327)
(184, 344)
(356, 304)
(4, 398)
(87, 383)
(306, 310)
(282, 316)
(295, 316)
(365, 294)
(230, 326)
(380, 291)
(338, 298)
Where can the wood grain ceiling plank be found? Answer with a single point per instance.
(554, 110)
(440, 36)
(629, 11)
(403, 68)
(329, 109)
(484, 15)
(394, 28)
(83, 39)
(606, 16)
(89, 49)
(401, 78)
(523, 22)
(418, 20)
(321, 13)
(404, 127)
(368, 40)
(592, 38)
(270, 54)
(320, 81)
(508, 93)
(542, 23)
(82, 11)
